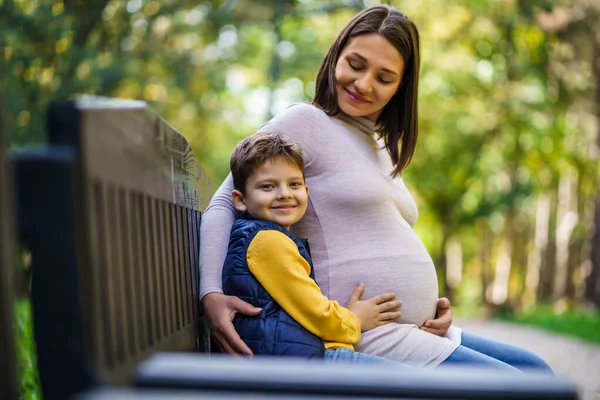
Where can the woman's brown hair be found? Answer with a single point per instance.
(398, 122)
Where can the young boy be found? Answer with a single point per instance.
(270, 268)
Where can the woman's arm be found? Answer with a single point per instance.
(219, 309)
(216, 225)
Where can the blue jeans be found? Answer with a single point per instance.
(348, 356)
(481, 351)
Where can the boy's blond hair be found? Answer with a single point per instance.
(255, 150)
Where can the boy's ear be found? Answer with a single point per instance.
(238, 201)
(307, 193)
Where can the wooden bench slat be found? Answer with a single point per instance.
(8, 366)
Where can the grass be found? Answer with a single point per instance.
(584, 324)
(26, 354)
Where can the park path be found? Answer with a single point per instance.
(575, 360)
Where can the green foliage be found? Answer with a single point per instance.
(506, 97)
(28, 372)
(580, 323)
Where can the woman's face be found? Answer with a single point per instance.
(367, 75)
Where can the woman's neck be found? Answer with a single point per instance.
(363, 124)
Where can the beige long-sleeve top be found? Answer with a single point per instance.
(359, 224)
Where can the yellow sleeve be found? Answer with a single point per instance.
(274, 259)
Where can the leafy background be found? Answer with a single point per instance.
(506, 171)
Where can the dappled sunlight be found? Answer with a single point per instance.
(506, 169)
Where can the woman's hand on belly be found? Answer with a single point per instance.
(443, 319)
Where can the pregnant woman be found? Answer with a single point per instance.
(357, 136)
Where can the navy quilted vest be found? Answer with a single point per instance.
(273, 331)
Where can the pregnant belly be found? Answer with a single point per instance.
(417, 288)
(415, 283)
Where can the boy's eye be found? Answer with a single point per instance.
(267, 186)
(296, 184)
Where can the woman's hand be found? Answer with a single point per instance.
(376, 311)
(443, 319)
(219, 311)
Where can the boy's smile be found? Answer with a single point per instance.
(275, 192)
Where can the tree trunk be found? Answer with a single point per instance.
(566, 219)
(454, 263)
(592, 287)
(441, 263)
(547, 267)
(538, 253)
(521, 254)
(592, 292)
(485, 248)
(500, 286)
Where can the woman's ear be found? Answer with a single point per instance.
(238, 201)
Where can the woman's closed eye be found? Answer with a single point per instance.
(358, 67)
(354, 66)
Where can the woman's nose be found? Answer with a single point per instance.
(364, 84)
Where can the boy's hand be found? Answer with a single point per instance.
(376, 311)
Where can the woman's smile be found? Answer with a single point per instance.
(355, 97)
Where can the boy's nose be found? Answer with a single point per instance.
(283, 193)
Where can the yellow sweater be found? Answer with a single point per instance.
(274, 260)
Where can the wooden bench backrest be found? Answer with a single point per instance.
(128, 194)
(8, 374)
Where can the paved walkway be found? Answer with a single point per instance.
(575, 360)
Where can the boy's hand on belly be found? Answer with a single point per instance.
(376, 311)
(443, 319)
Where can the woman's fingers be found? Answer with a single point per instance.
(438, 326)
(224, 346)
(443, 303)
(219, 311)
(437, 332)
(433, 324)
(239, 346)
(228, 339)
(390, 316)
(239, 305)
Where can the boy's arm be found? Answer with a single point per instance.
(274, 260)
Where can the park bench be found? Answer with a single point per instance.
(8, 372)
(110, 211)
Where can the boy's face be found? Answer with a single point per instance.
(275, 192)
